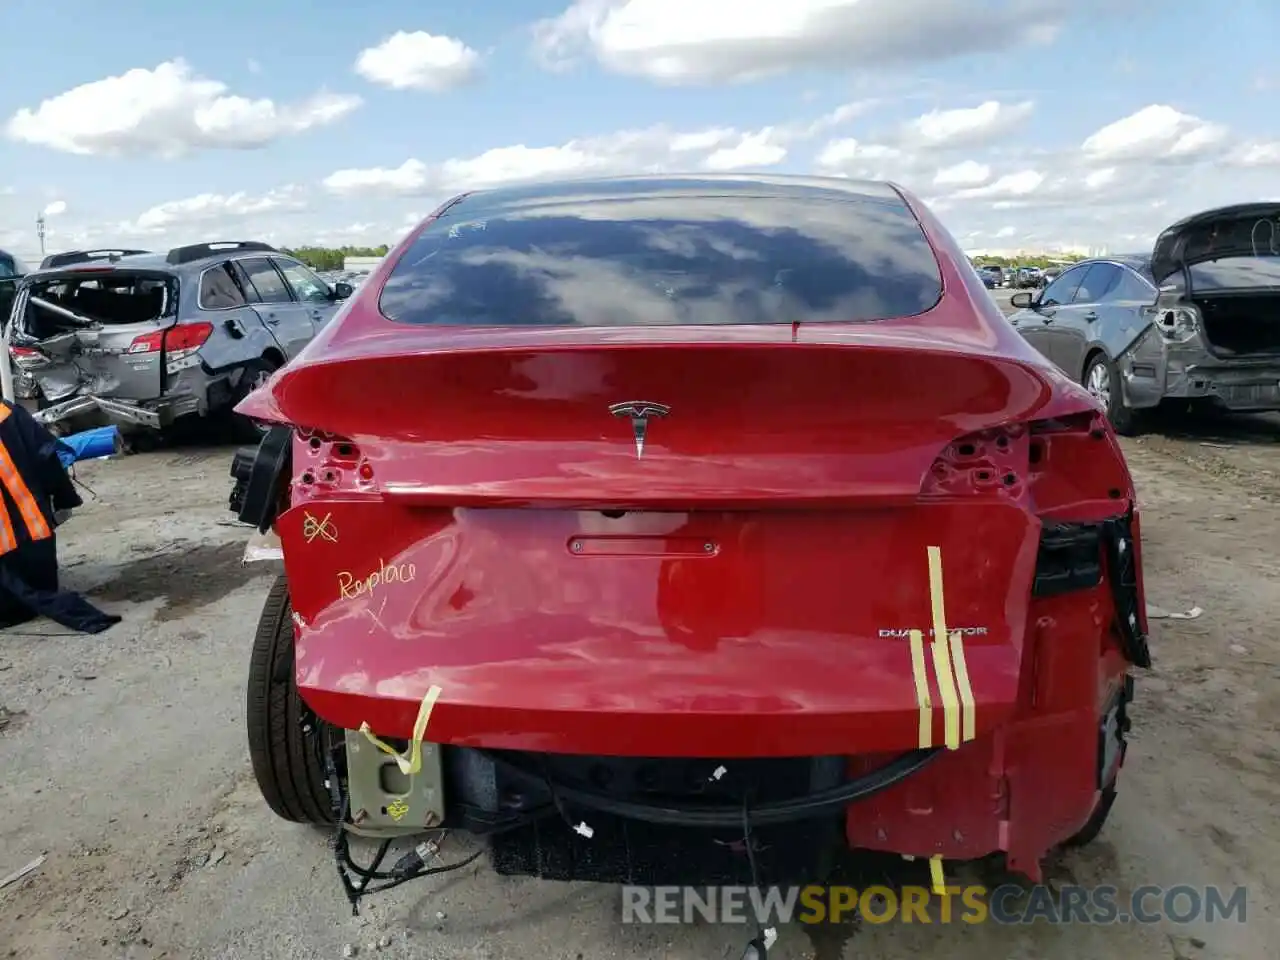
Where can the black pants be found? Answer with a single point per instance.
(29, 589)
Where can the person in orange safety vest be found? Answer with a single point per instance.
(35, 491)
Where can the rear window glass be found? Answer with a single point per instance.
(663, 260)
(1236, 273)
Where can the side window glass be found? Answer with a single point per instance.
(1131, 289)
(306, 285)
(1099, 279)
(1062, 289)
(218, 289)
(266, 280)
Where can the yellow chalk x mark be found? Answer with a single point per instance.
(938, 877)
(410, 762)
(923, 700)
(313, 529)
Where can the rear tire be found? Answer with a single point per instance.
(1101, 380)
(255, 374)
(288, 762)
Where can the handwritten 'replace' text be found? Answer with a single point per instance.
(349, 587)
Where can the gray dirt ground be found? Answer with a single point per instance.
(124, 756)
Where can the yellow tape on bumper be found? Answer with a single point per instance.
(968, 710)
(923, 701)
(942, 652)
(936, 875)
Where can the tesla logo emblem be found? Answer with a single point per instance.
(639, 412)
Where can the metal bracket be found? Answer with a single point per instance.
(385, 802)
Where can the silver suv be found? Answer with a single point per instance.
(142, 340)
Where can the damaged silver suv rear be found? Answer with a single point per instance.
(142, 340)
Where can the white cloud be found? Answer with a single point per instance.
(752, 151)
(167, 112)
(1155, 133)
(968, 173)
(1097, 179)
(968, 126)
(56, 208)
(652, 149)
(703, 41)
(409, 177)
(849, 157)
(207, 209)
(419, 61)
(521, 163)
(1023, 183)
(1257, 155)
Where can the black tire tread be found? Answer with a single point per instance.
(286, 762)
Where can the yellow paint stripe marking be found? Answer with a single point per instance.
(942, 651)
(938, 877)
(923, 700)
(968, 710)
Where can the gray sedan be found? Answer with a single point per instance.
(1192, 322)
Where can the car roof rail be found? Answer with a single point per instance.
(199, 251)
(84, 256)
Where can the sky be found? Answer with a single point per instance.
(1024, 124)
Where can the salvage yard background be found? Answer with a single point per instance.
(124, 758)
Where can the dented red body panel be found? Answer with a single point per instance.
(465, 512)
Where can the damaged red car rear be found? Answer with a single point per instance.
(703, 504)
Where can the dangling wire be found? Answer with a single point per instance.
(760, 944)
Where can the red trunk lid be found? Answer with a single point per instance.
(763, 421)
(745, 587)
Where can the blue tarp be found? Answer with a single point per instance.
(88, 445)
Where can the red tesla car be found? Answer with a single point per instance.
(626, 519)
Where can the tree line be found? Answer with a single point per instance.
(330, 258)
(1041, 260)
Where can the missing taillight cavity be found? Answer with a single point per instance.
(1179, 324)
(997, 459)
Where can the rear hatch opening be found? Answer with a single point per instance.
(94, 331)
(1226, 264)
(1241, 325)
(77, 302)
